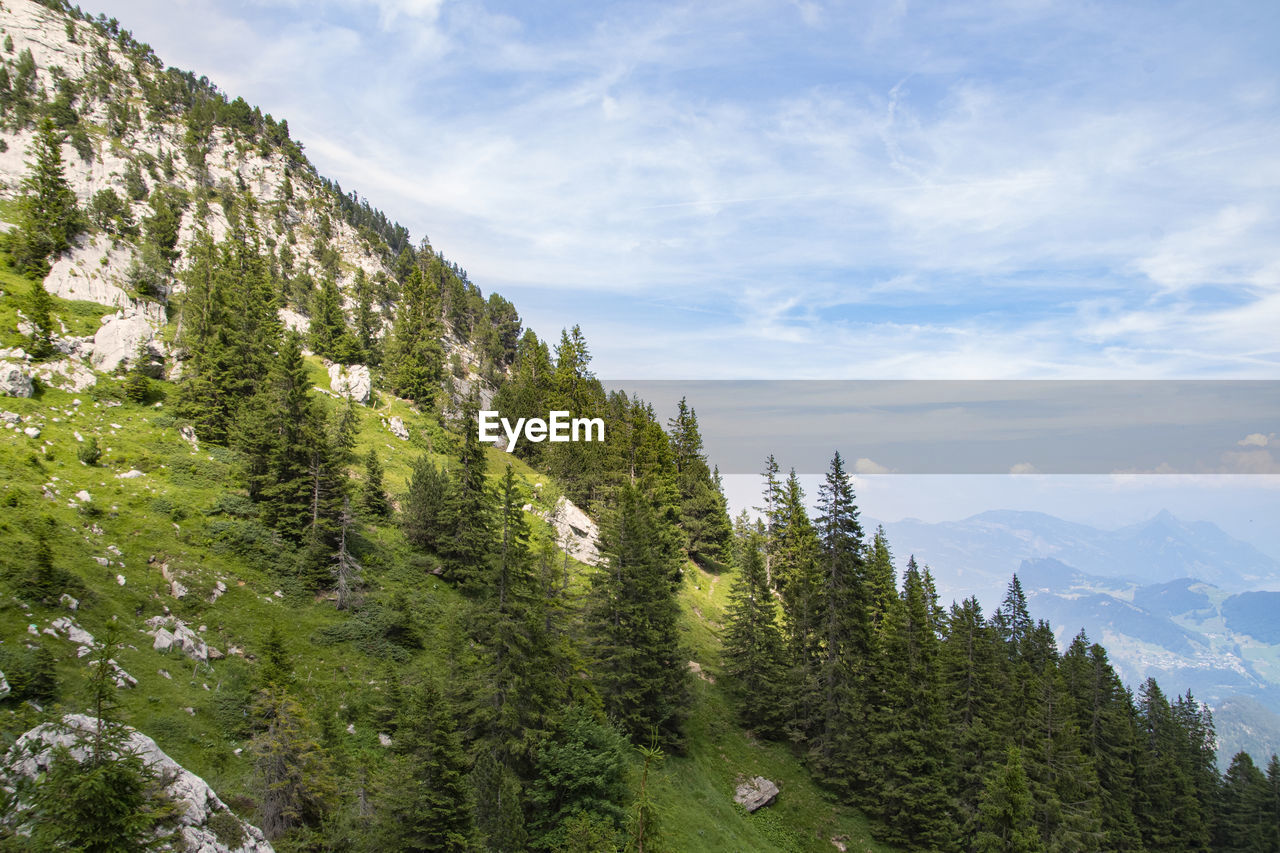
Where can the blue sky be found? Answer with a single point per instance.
(806, 189)
(800, 189)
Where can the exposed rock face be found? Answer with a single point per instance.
(576, 534)
(119, 339)
(398, 429)
(14, 381)
(4, 686)
(352, 382)
(756, 793)
(32, 754)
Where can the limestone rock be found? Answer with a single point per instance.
(4, 686)
(12, 418)
(14, 381)
(32, 754)
(352, 382)
(756, 793)
(74, 633)
(576, 534)
(131, 474)
(32, 432)
(119, 339)
(66, 373)
(169, 631)
(398, 429)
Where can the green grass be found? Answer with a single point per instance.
(169, 518)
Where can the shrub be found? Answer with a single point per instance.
(89, 452)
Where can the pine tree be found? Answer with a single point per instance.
(40, 315)
(703, 516)
(1245, 821)
(753, 652)
(414, 361)
(1004, 821)
(373, 497)
(640, 670)
(842, 633)
(499, 811)
(293, 775)
(468, 507)
(910, 789)
(424, 517)
(106, 799)
(972, 681)
(424, 801)
(329, 336)
(1104, 717)
(48, 216)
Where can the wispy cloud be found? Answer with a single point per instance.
(972, 189)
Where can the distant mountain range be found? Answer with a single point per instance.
(1180, 601)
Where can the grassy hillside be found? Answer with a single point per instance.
(182, 520)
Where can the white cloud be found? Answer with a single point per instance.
(1256, 439)
(1024, 468)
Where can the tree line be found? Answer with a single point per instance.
(957, 730)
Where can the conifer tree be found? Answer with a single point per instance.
(104, 798)
(424, 801)
(910, 789)
(373, 496)
(1004, 821)
(40, 315)
(1245, 822)
(414, 361)
(424, 517)
(970, 661)
(468, 507)
(753, 652)
(703, 516)
(640, 670)
(842, 633)
(48, 216)
(499, 809)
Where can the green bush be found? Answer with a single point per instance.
(89, 451)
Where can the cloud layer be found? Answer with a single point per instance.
(797, 189)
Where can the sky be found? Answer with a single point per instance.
(804, 189)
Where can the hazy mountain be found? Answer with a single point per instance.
(977, 555)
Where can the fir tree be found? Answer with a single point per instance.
(640, 671)
(48, 216)
(424, 801)
(415, 358)
(40, 315)
(753, 651)
(424, 517)
(1004, 821)
(99, 795)
(840, 614)
(703, 516)
(1246, 821)
(373, 497)
(910, 788)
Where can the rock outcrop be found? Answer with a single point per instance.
(14, 381)
(352, 382)
(576, 534)
(203, 817)
(755, 794)
(125, 338)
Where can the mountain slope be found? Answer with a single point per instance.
(157, 535)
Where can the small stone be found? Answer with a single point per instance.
(32, 432)
(120, 580)
(131, 474)
(69, 602)
(82, 495)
